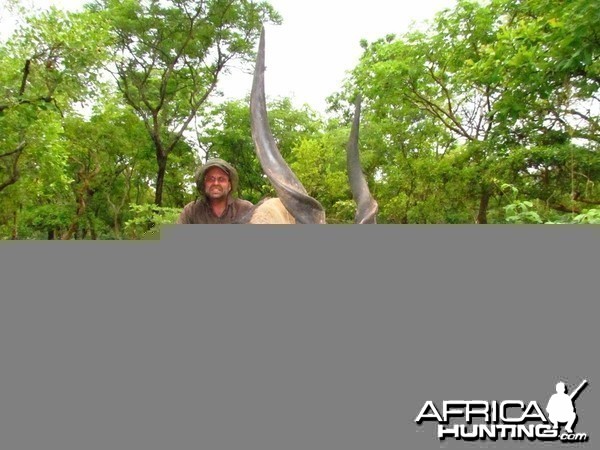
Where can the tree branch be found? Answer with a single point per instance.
(15, 174)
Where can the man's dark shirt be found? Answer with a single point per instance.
(199, 211)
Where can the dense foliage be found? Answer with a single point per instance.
(489, 114)
(490, 96)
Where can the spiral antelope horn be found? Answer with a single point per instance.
(290, 191)
(366, 206)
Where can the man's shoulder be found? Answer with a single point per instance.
(241, 208)
(191, 212)
(195, 204)
(244, 203)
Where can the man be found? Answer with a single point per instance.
(216, 181)
(560, 408)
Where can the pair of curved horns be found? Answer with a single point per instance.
(290, 191)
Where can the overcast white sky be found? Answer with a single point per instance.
(307, 57)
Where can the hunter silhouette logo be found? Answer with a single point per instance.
(508, 419)
(560, 406)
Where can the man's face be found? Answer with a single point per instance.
(216, 184)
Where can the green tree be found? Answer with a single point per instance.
(477, 99)
(50, 65)
(111, 161)
(550, 67)
(424, 84)
(170, 55)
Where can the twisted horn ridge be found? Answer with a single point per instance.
(366, 206)
(290, 191)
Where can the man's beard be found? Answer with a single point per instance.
(216, 193)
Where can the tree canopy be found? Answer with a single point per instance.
(489, 114)
(493, 99)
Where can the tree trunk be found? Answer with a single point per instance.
(83, 194)
(92, 229)
(67, 235)
(117, 227)
(161, 158)
(484, 201)
(15, 231)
